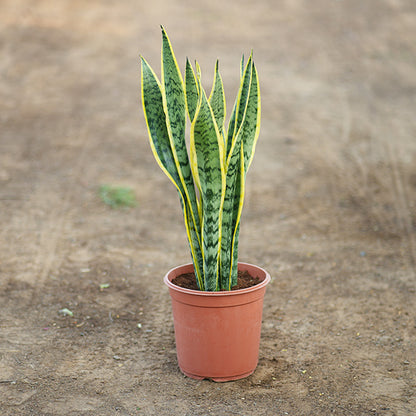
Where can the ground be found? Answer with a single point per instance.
(329, 212)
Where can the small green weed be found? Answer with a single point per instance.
(117, 196)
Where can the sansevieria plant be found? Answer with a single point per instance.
(210, 176)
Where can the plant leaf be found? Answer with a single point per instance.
(161, 145)
(191, 88)
(242, 66)
(230, 210)
(208, 147)
(250, 126)
(155, 117)
(239, 105)
(241, 152)
(174, 103)
(174, 106)
(217, 99)
(238, 209)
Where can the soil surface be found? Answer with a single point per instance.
(244, 281)
(330, 209)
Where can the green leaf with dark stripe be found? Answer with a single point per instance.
(250, 125)
(243, 94)
(243, 143)
(165, 150)
(230, 211)
(217, 99)
(247, 135)
(242, 66)
(208, 146)
(238, 208)
(191, 88)
(239, 104)
(194, 243)
(152, 101)
(175, 109)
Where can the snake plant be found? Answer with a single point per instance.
(210, 175)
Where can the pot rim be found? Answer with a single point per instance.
(241, 266)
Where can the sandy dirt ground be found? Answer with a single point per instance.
(330, 208)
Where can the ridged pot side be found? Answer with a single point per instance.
(217, 333)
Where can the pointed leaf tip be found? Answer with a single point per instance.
(164, 34)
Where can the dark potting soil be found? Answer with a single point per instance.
(244, 280)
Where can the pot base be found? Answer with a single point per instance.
(217, 379)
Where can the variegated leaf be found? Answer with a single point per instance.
(208, 147)
(217, 99)
(238, 208)
(152, 100)
(191, 88)
(230, 210)
(239, 105)
(251, 123)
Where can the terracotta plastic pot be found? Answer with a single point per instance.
(217, 333)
